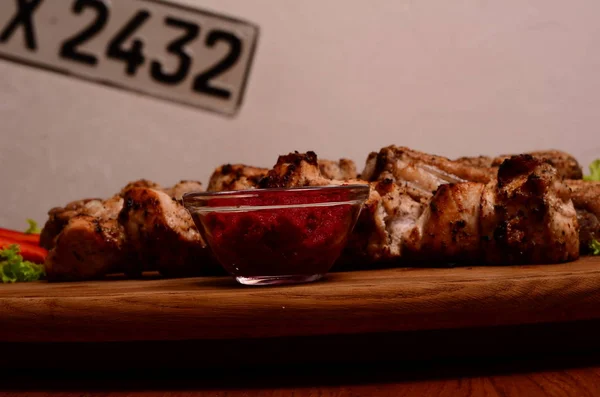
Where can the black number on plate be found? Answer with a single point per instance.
(69, 47)
(133, 57)
(202, 81)
(176, 47)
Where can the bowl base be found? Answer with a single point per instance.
(278, 280)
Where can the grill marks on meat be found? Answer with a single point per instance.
(235, 177)
(294, 169)
(140, 228)
(240, 177)
(523, 216)
(387, 217)
(58, 218)
(528, 216)
(341, 170)
(420, 208)
(565, 164)
(586, 198)
(420, 170)
(161, 234)
(87, 248)
(182, 188)
(449, 229)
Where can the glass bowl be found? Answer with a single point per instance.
(277, 236)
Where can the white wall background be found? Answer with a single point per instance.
(340, 77)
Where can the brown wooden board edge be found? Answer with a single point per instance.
(388, 300)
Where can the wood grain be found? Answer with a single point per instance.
(344, 303)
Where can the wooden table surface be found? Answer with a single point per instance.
(489, 331)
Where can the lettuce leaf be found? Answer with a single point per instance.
(595, 247)
(594, 171)
(13, 268)
(33, 227)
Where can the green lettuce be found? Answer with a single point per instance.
(595, 247)
(13, 268)
(594, 171)
(33, 227)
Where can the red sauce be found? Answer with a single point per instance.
(277, 242)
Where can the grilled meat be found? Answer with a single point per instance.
(182, 188)
(240, 177)
(528, 215)
(586, 198)
(523, 216)
(421, 207)
(58, 218)
(449, 229)
(86, 248)
(340, 170)
(141, 228)
(235, 177)
(420, 170)
(426, 172)
(139, 183)
(387, 217)
(294, 170)
(161, 233)
(566, 165)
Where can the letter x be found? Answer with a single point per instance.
(23, 17)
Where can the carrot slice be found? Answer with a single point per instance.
(29, 252)
(20, 236)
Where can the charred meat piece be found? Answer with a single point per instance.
(240, 177)
(184, 187)
(420, 170)
(372, 239)
(449, 228)
(87, 241)
(341, 170)
(140, 183)
(235, 177)
(295, 170)
(523, 216)
(162, 234)
(586, 199)
(478, 162)
(58, 218)
(87, 248)
(528, 215)
(566, 165)
(104, 209)
(388, 215)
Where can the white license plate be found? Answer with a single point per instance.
(148, 46)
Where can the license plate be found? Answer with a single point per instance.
(152, 47)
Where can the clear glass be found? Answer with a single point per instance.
(277, 236)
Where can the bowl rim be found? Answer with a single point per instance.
(191, 199)
(354, 186)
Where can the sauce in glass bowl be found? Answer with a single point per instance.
(277, 236)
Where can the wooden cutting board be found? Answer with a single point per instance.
(385, 300)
